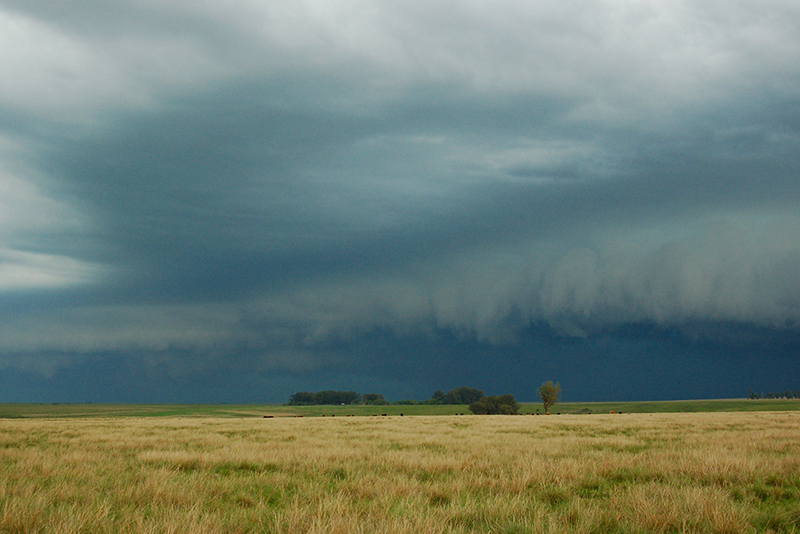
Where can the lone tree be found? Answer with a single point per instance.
(549, 393)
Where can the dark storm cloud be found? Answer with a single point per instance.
(264, 187)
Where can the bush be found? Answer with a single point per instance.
(503, 404)
(374, 399)
(462, 395)
(305, 398)
(301, 398)
(437, 398)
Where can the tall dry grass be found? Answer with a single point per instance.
(720, 472)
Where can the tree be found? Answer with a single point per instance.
(373, 398)
(301, 398)
(503, 404)
(336, 397)
(462, 395)
(549, 394)
(437, 397)
(324, 397)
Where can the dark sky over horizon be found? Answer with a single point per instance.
(231, 202)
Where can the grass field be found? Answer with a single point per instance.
(663, 472)
(226, 410)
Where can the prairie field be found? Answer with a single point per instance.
(679, 472)
(58, 410)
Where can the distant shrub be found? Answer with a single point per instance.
(301, 398)
(373, 399)
(327, 397)
(462, 395)
(788, 394)
(502, 404)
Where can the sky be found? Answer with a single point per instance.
(234, 201)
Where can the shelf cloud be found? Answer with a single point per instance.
(314, 194)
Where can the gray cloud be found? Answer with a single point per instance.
(255, 185)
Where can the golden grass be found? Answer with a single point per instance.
(720, 472)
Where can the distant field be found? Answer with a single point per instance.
(710, 405)
(679, 472)
(255, 410)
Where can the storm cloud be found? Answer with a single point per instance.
(266, 196)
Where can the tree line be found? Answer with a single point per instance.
(462, 395)
(788, 394)
(327, 397)
(477, 401)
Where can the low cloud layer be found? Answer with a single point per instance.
(266, 188)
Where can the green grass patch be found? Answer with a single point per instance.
(680, 406)
(16, 411)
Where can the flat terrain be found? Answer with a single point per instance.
(665, 472)
(277, 410)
